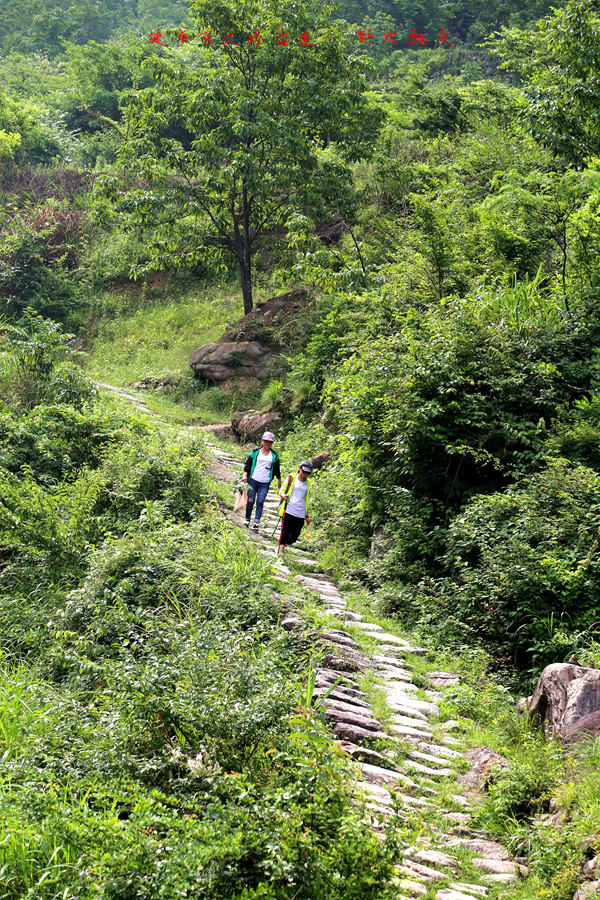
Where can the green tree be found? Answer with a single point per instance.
(230, 137)
(559, 62)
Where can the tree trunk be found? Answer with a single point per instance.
(246, 261)
(246, 279)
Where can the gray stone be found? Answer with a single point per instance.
(356, 751)
(442, 679)
(565, 694)
(488, 849)
(451, 894)
(494, 866)
(355, 733)
(500, 878)
(344, 713)
(476, 890)
(588, 891)
(353, 697)
(379, 775)
(346, 659)
(427, 758)
(405, 732)
(435, 858)
(413, 887)
(425, 873)
(483, 762)
(428, 770)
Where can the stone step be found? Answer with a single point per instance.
(435, 858)
(403, 709)
(387, 660)
(505, 878)
(414, 888)
(343, 613)
(494, 866)
(428, 758)
(396, 694)
(451, 894)
(392, 777)
(427, 770)
(472, 890)
(488, 849)
(409, 733)
(424, 873)
(438, 750)
(411, 721)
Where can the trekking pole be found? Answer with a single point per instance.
(275, 528)
(281, 532)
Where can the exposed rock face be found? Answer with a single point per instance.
(253, 424)
(243, 354)
(320, 459)
(219, 361)
(483, 761)
(587, 891)
(566, 701)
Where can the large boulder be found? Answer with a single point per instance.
(243, 355)
(218, 362)
(253, 424)
(566, 701)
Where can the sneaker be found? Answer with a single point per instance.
(246, 523)
(255, 526)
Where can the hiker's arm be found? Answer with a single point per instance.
(247, 465)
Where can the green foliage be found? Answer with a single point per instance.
(524, 562)
(37, 366)
(518, 792)
(559, 60)
(23, 137)
(231, 137)
(39, 258)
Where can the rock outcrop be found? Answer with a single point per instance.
(566, 701)
(218, 362)
(243, 355)
(251, 425)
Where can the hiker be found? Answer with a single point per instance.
(294, 505)
(260, 468)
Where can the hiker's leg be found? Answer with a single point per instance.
(261, 492)
(251, 495)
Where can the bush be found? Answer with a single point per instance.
(525, 565)
(39, 259)
(36, 366)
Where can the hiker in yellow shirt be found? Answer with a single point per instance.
(294, 506)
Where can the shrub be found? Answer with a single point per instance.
(37, 366)
(525, 564)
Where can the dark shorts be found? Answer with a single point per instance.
(292, 526)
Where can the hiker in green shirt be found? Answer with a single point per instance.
(260, 468)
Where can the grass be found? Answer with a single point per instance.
(154, 337)
(157, 338)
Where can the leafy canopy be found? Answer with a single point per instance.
(230, 138)
(560, 61)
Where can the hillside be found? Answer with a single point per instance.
(432, 215)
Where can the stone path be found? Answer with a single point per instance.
(424, 784)
(449, 861)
